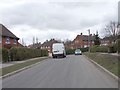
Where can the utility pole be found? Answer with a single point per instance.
(89, 39)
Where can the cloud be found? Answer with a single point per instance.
(51, 17)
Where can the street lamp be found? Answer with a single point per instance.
(89, 39)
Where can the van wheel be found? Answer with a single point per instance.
(53, 56)
(63, 56)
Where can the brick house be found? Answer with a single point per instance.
(36, 45)
(7, 38)
(81, 41)
(108, 40)
(48, 44)
(105, 41)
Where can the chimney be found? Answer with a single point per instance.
(81, 34)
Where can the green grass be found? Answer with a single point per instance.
(109, 62)
(15, 67)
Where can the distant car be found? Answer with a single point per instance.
(78, 52)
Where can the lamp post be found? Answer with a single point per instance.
(89, 39)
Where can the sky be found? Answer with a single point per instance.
(59, 19)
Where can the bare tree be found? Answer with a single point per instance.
(112, 30)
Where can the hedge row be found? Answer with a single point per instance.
(97, 48)
(4, 54)
(17, 54)
(72, 51)
(117, 46)
(113, 48)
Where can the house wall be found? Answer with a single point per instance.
(11, 44)
(79, 43)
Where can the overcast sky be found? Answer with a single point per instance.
(59, 19)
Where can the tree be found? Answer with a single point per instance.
(112, 30)
(97, 39)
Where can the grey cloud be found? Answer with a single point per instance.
(61, 20)
(52, 16)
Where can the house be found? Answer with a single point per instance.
(35, 45)
(7, 38)
(108, 40)
(105, 41)
(48, 44)
(81, 41)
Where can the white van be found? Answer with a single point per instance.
(58, 49)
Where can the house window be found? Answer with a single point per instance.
(7, 40)
(85, 46)
(76, 41)
(15, 41)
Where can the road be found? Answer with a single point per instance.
(70, 72)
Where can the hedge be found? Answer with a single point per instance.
(22, 53)
(117, 46)
(5, 56)
(97, 48)
(72, 51)
(112, 48)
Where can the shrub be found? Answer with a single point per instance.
(112, 48)
(84, 49)
(26, 53)
(97, 48)
(94, 48)
(72, 51)
(117, 46)
(102, 49)
(5, 56)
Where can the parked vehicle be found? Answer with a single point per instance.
(78, 52)
(58, 50)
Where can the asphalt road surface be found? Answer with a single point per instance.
(70, 72)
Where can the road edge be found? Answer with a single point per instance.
(104, 69)
(22, 69)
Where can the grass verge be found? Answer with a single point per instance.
(110, 62)
(18, 66)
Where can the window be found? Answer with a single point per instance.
(7, 40)
(76, 41)
(15, 41)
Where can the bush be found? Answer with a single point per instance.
(26, 53)
(97, 48)
(111, 48)
(94, 48)
(72, 51)
(117, 46)
(5, 56)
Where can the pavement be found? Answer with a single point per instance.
(70, 72)
(114, 54)
(7, 64)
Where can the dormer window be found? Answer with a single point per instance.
(7, 40)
